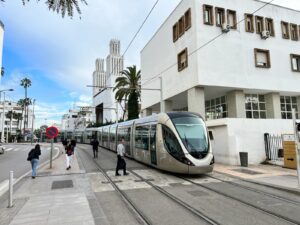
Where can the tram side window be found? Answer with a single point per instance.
(171, 143)
(124, 132)
(142, 137)
(153, 138)
(105, 136)
(89, 135)
(112, 135)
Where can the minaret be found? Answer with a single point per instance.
(99, 77)
(114, 61)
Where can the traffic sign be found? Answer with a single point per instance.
(51, 132)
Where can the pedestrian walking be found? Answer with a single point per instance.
(69, 154)
(95, 144)
(33, 157)
(121, 164)
(73, 143)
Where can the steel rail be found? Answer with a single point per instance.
(139, 216)
(268, 212)
(255, 190)
(178, 201)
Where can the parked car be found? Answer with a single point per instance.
(2, 149)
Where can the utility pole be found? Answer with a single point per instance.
(3, 118)
(33, 117)
(297, 145)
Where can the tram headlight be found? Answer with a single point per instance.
(187, 161)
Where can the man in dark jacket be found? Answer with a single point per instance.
(33, 157)
(95, 144)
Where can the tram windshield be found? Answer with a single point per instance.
(193, 134)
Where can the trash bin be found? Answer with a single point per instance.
(244, 159)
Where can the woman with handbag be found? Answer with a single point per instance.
(33, 157)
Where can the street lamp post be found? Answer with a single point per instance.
(33, 117)
(3, 112)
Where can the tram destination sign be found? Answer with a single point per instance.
(51, 132)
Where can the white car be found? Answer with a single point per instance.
(2, 149)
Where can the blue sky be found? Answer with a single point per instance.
(58, 54)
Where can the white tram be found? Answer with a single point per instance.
(176, 141)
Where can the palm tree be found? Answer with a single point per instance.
(26, 83)
(21, 103)
(2, 71)
(61, 6)
(128, 87)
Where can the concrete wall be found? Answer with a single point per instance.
(232, 136)
(161, 52)
(229, 60)
(226, 62)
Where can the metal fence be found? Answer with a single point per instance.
(273, 147)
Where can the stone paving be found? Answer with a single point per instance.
(37, 203)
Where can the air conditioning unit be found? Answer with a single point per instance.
(225, 28)
(265, 34)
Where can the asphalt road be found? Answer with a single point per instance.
(15, 159)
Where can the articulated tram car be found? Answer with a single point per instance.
(176, 142)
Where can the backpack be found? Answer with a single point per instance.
(30, 155)
(69, 150)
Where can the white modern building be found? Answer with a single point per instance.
(77, 119)
(237, 63)
(105, 107)
(11, 125)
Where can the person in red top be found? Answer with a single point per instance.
(69, 154)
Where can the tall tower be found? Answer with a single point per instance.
(114, 61)
(99, 77)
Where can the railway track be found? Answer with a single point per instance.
(138, 215)
(141, 217)
(270, 213)
(178, 201)
(254, 190)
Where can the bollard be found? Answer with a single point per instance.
(11, 180)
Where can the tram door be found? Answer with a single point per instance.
(153, 145)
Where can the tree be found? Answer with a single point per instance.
(128, 87)
(61, 6)
(26, 83)
(2, 71)
(21, 103)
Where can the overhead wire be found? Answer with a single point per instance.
(204, 45)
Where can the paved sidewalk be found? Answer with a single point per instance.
(269, 175)
(56, 197)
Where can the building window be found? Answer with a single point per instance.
(216, 108)
(270, 26)
(182, 59)
(259, 21)
(287, 103)
(262, 58)
(294, 32)
(249, 23)
(285, 30)
(175, 32)
(231, 19)
(187, 19)
(220, 16)
(295, 60)
(208, 14)
(255, 106)
(181, 26)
